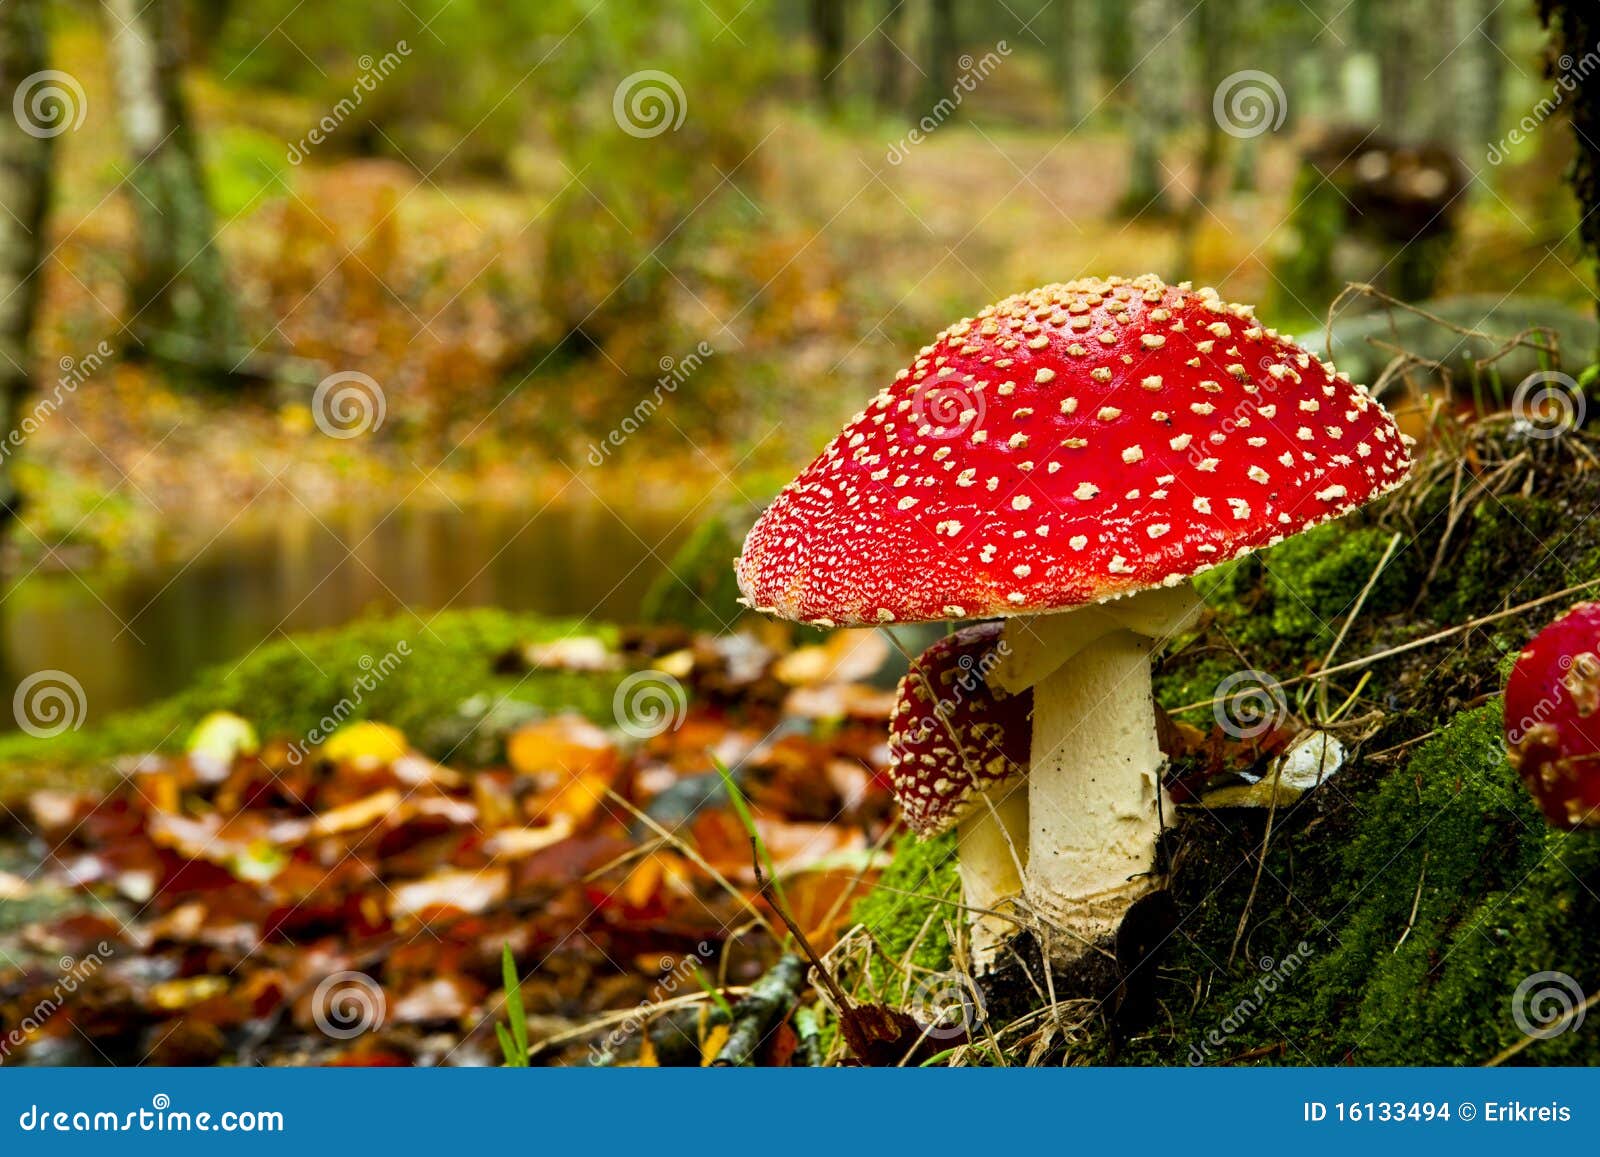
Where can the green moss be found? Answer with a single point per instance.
(1314, 579)
(698, 589)
(914, 902)
(286, 688)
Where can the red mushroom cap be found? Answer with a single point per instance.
(1553, 718)
(951, 736)
(1069, 445)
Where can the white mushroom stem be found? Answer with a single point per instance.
(1094, 796)
(992, 846)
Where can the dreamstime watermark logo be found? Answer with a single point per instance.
(973, 73)
(160, 1117)
(1570, 76)
(947, 1005)
(49, 103)
(373, 673)
(1547, 1004)
(1548, 404)
(1248, 704)
(1274, 973)
(348, 1004)
(648, 703)
(677, 974)
(49, 703)
(74, 372)
(1248, 103)
(373, 73)
(348, 404)
(74, 972)
(648, 103)
(945, 408)
(674, 372)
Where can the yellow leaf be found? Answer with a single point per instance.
(647, 1052)
(712, 1045)
(365, 745)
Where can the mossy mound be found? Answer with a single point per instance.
(1401, 905)
(286, 688)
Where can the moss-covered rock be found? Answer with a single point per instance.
(428, 667)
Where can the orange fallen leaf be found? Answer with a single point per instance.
(567, 744)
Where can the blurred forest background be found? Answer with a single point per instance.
(317, 309)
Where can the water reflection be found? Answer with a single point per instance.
(141, 636)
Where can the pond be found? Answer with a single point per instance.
(134, 637)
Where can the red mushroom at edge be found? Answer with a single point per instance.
(1553, 718)
(1070, 459)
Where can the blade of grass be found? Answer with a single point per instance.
(711, 990)
(742, 810)
(515, 1042)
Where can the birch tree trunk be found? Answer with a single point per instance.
(25, 148)
(181, 310)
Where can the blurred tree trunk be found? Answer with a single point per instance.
(1150, 85)
(1113, 43)
(1480, 97)
(827, 30)
(1574, 28)
(1396, 28)
(1075, 58)
(1441, 63)
(1213, 36)
(24, 199)
(888, 87)
(182, 310)
(942, 50)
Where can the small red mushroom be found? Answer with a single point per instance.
(958, 757)
(1553, 718)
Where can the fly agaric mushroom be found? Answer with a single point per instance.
(1084, 448)
(958, 754)
(1553, 718)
